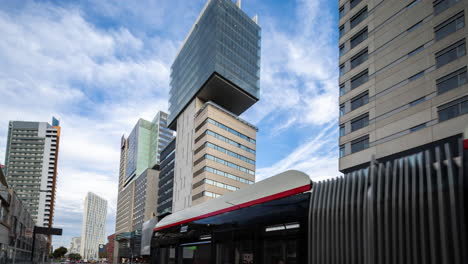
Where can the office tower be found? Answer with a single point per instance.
(219, 65)
(93, 230)
(75, 245)
(31, 166)
(139, 161)
(403, 77)
(166, 179)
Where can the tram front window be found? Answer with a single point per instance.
(280, 252)
(196, 254)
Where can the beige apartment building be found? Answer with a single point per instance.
(403, 77)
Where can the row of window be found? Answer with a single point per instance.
(229, 164)
(211, 194)
(230, 153)
(220, 185)
(352, 3)
(224, 174)
(227, 140)
(230, 130)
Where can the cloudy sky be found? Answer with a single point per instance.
(100, 65)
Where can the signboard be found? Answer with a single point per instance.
(28, 232)
(48, 231)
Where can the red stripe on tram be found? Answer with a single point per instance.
(276, 196)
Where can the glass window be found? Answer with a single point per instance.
(417, 101)
(359, 58)
(415, 26)
(279, 252)
(359, 79)
(360, 144)
(342, 89)
(359, 17)
(166, 255)
(342, 69)
(342, 31)
(341, 11)
(449, 26)
(418, 127)
(358, 38)
(442, 5)
(360, 122)
(359, 101)
(416, 76)
(197, 254)
(354, 3)
(416, 51)
(342, 130)
(453, 109)
(452, 81)
(342, 50)
(412, 3)
(342, 151)
(451, 53)
(342, 110)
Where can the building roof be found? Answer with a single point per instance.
(279, 186)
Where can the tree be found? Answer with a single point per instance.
(74, 256)
(60, 252)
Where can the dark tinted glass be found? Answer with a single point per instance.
(342, 131)
(342, 89)
(419, 127)
(341, 11)
(341, 31)
(453, 109)
(416, 51)
(359, 101)
(451, 25)
(342, 151)
(450, 54)
(341, 50)
(360, 123)
(359, 79)
(342, 110)
(358, 38)
(358, 18)
(355, 3)
(342, 70)
(442, 5)
(360, 144)
(452, 81)
(359, 59)
(198, 254)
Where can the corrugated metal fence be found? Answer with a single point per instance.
(407, 210)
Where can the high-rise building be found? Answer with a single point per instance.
(138, 175)
(166, 179)
(214, 78)
(93, 231)
(75, 245)
(31, 166)
(403, 77)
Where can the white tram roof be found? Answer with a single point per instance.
(279, 186)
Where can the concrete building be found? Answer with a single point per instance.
(166, 179)
(31, 166)
(403, 77)
(138, 174)
(75, 245)
(94, 226)
(226, 43)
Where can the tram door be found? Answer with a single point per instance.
(280, 251)
(235, 248)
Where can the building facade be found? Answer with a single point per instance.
(31, 166)
(75, 245)
(403, 77)
(224, 71)
(166, 179)
(93, 227)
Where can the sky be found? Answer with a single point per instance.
(99, 66)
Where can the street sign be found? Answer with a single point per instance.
(48, 231)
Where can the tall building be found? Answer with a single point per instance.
(75, 245)
(93, 231)
(403, 77)
(166, 180)
(138, 175)
(216, 72)
(31, 166)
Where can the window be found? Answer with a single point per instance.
(453, 109)
(359, 37)
(417, 101)
(342, 50)
(416, 76)
(342, 110)
(449, 26)
(359, 79)
(451, 81)
(415, 26)
(354, 3)
(359, 100)
(342, 89)
(416, 51)
(359, 17)
(342, 11)
(360, 144)
(359, 58)
(342, 69)
(442, 5)
(342, 31)
(450, 53)
(230, 130)
(418, 127)
(342, 151)
(342, 130)
(359, 122)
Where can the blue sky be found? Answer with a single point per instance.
(101, 65)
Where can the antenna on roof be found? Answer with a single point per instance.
(255, 19)
(239, 3)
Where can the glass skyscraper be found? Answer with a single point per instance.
(221, 52)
